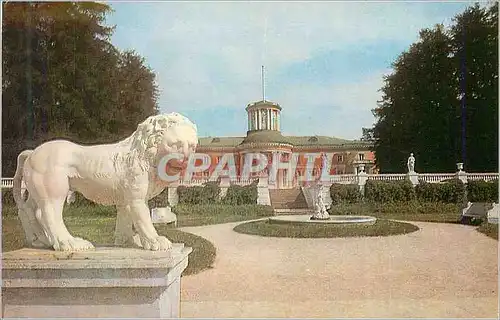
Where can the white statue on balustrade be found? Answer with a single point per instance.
(124, 174)
(411, 163)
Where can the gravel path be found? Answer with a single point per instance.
(440, 271)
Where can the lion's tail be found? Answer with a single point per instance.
(18, 178)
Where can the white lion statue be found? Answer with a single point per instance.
(124, 174)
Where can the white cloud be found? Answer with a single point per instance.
(210, 53)
(335, 110)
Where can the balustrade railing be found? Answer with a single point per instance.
(341, 178)
(482, 176)
(387, 176)
(7, 182)
(436, 177)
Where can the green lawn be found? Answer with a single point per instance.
(489, 229)
(199, 215)
(381, 227)
(99, 230)
(96, 224)
(413, 211)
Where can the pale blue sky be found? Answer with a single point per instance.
(324, 60)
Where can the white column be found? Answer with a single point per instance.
(259, 113)
(275, 120)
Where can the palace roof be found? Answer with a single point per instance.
(266, 136)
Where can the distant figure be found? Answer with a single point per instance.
(411, 163)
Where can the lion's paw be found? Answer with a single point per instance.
(159, 243)
(73, 244)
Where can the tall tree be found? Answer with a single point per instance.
(421, 108)
(475, 49)
(62, 78)
(415, 106)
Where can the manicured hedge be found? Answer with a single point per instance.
(8, 198)
(389, 191)
(482, 191)
(248, 210)
(239, 195)
(160, 201)
(344, 193)
(208, 193)
(81, 201)
(452, 191)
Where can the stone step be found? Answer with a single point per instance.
(288, 199)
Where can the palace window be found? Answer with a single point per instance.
(361, 156)
(340, 158)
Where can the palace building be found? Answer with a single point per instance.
(264, 136)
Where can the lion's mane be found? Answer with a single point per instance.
(141, 147)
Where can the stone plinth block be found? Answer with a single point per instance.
(104, 283)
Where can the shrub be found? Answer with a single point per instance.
(416, 208)
(208, 193)
(211, 191)
(160, 201)
(345, 209)
(238, 195)
(8, 198)
(250, 210)
(81, 201)
(446, 192)
(389, 191)
(344, 193)
(482, 191)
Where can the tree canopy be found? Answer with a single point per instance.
(62, 78)
(441, 100)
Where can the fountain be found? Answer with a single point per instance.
(321, 215)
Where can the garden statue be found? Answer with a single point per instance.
(320, 210)
(411, 163)
(124, 174)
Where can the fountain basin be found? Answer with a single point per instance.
(334, 219)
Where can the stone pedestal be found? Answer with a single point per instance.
(263, 196)
(225, 183)
(172, 196)
(413, 177)
(105, 283)
(163, 215)
(494, 213)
